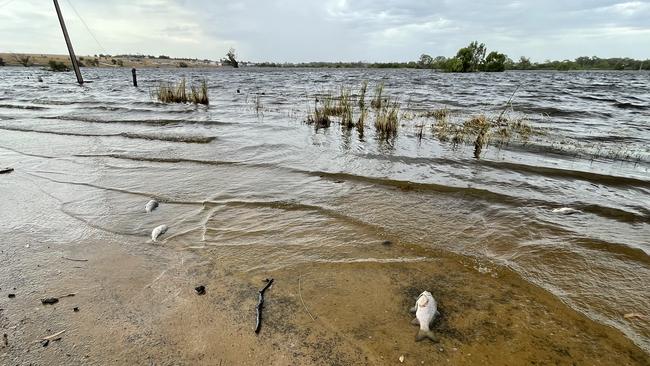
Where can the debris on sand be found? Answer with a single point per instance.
(260, 304)
(6, 170)
(200, 290)
(54, 300)
(45, 341)
(401, 359)
(49, 301)
(5, 339)
(75, 259)
(158, 231)
(75, 309)
(565, 211)
(635, 316)
(386, 243)
(11, 296)
(150, 206)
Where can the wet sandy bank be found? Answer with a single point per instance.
(137, 305)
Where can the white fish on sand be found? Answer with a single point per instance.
(151, 205)
(158, 231)
(565, 211)
(425, 310)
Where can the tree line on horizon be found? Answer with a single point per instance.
(474, 58)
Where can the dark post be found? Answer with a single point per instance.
(73, 58)
(135, 80)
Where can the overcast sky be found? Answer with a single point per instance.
(331, 30)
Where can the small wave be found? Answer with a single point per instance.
(17, 106)
(129, 135)
(627, 105)
(154, 122)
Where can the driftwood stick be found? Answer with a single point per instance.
(260, 304)
(75, 260)
(302, 301)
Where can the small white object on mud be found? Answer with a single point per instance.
(151, 205)
(425, 310)
(158, 232)
(566, 211)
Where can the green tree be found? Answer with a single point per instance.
(495, 62)
(425, 61)
(470, 58)
(232, 58)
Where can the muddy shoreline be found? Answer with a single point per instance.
(137, 305)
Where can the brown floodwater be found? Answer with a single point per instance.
(351, 227)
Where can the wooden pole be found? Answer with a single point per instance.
(73, 58)
(135, 79)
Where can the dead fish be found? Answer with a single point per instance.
(158, 232)
(151, 205)
(565, 211)
(425, 310)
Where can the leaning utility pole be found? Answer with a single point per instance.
(73, 58)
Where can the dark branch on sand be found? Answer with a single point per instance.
(260, 304)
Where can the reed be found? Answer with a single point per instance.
(438, 113)
(387, 118)
(377, 101)
(178, 93)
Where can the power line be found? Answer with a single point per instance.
(85, 25)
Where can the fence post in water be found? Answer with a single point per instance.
(135, 79)
(73, 58)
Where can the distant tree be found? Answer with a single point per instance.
(120, 63)
(425, 61)
(2, 62)
(468, 59)
(163, 57)
(232, 58)
(182, 64)
(453, 64)
(24, 60)
(113, 61)
(495, 62)
(524, 63)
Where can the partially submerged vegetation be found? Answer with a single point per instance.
(351, 111)
(178, 93)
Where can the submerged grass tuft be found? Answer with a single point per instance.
(178, 93)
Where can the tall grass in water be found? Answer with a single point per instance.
(178, 93)
(387, 118)
(363, 114)
(377, 101)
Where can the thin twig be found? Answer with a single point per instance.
(302, 301)
(75, 260)
(507, 104)
(54, 336)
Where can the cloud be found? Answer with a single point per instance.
(348, 30)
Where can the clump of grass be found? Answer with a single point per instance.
(437, 113)
(178, 93)
(320, 119)
(363, 114)
(377, 101)
(345, 107)
(387, 118)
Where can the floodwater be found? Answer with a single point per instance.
(249, 191)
